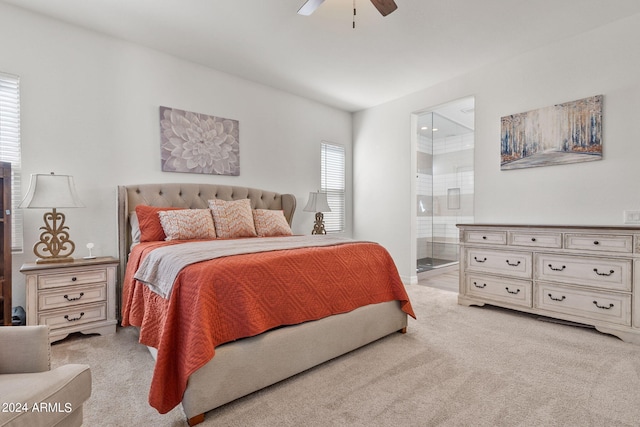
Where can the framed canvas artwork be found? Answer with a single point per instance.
(559, 134)
(198, 143)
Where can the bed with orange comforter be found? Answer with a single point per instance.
(227, 300)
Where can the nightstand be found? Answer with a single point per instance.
(77, 296)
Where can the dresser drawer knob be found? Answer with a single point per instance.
(604, 307)
(516, 292)
(74, 278)
(557, 269)
(484, 285)
(603, 274)
(557, 299)
(533, 239)
(512, 264)
(482, 260)
(74, 298)
(484, 237)
(73, 319)
(596, 242)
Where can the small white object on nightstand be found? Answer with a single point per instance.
(90, 246)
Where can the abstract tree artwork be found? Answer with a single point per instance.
(198, 143)
(560, 134)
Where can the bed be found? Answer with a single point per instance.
(219, 370)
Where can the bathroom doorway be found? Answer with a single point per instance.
(444, 186)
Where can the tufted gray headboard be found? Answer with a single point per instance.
(194, 196)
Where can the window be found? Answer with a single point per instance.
(333, 183)
(10, 148)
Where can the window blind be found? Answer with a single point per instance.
(10, 148)
(333, 183)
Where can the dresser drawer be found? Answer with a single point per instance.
(71, 296)
(599, 242)
(516, 264)
(486, 237)
(535, 240)
(594, 305)
(73, 316)
(512, 291)
(603, 273)
(78, 277)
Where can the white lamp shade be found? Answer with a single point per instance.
(317, 203)
(48, 191)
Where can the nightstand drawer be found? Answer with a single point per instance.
(73, 316)
(486, 237)
(72, 296)
(95, 275)
(605, 306)
(599, 242)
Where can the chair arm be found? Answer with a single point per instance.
(24, 349)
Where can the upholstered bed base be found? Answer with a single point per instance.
(247, 365)
(244, 366)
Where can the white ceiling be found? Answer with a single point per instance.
(321, 57)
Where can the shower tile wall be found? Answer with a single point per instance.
(446, 166)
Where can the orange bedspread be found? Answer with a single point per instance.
(229, 298)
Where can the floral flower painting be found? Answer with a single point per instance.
(198, 143)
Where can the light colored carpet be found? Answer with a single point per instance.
(456, 366)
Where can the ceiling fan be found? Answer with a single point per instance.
(385, 7)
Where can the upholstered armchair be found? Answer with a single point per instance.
(31, 393)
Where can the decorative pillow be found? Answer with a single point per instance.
(187, 224)
(271, 223)
(233, 219)
(149, 222)
(135, 228)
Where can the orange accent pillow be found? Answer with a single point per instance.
(271, 223)
(149, 222)
(232, 219)
(187, 224)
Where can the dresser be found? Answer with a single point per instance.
(581, 274)
(78, 296)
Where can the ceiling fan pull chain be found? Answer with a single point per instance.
(354, 14)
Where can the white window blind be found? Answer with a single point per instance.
(10, 148)
(333, 183)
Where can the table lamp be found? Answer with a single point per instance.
(51, 192)
(318, 203)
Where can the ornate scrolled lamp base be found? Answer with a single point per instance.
(318, 226)
(54, 244)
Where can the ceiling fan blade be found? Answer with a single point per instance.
(385, 7)
(309, 7)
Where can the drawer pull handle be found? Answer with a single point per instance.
(74, 278)
(603, 274)
(557, 269)
(533, 239)
(483, 260)
(604, 307)
(484, 237)
(513, 265)
(596, 242)
(484, 285)
(73, 319)
(516, 292)
(75, 298)
(557, 299)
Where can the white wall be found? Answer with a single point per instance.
(89, 108)
(604, 61)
